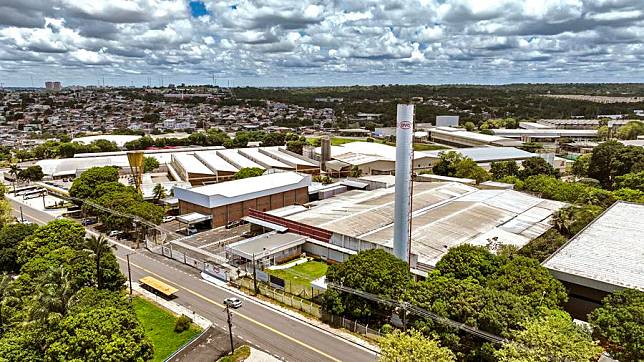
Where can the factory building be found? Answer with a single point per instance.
(227, 202)
(444, 214)
(458, 137)
(606, 256)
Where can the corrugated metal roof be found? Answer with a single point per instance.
(610, 250)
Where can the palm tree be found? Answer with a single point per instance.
(159, 192)
(563, 219)
(99, 246)
(13, 170)
(6, 296)
(52, 297)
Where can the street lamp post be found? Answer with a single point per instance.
(129, 274)
(255, 275)
(22, 218)
(230, 329)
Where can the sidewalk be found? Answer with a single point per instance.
(301, 317)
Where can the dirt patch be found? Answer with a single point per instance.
(209, 347)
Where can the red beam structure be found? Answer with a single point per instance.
(293, 226)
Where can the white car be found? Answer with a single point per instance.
(168, 218)
(114, 233)
(191, 230)
(233, 302)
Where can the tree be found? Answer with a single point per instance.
(14, 170)
(543, 246)
(159, 192)
(469, 126)
(446, 165)
(6, 212)
(85, 186)
(550, 337)
(99, 246)
(537, 166)
(603, 162)
(96, 334)
(373, 271)
(31, 173)
(468, 261)
(355, 171)
(580, 167)
(618, 324)
(10, 236)
(631, 180)
(503, 169)
(630, 130)
(150, 164)
(571, 219)
(412, 346)
(46, 238)
(247, 172)
(296, 146)
(603, 132)
(467, 168)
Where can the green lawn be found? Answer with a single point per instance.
(159, 327)
(300, 276)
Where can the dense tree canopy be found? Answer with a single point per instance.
(537, 166)
(611, 159)
(618, 324)
(10, 236)
(412, 346)
(453, 164)
(503, 169)
(86, 185)
(551, 336)
(247, 172)
(53, 311)
(150, 164)
(374, 271)
(634, 181)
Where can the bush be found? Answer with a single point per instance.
(386, 328)
(183, 323)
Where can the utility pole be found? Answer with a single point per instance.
(230, 329)
(22, 218)
(255, 275)
(129, 274)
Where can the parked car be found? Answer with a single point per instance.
(114, 233)
(168, 218)
(191, 230)
(87, 222)
(233, 302)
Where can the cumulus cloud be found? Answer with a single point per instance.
(310, 42)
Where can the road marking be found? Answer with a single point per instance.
(236, 313)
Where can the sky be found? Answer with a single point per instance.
(320, 43)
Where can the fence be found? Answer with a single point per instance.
(171, 252)
(283, 297)
(299, 289)
(342, 322)
(184, 348)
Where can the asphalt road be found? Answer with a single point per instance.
(262, 326)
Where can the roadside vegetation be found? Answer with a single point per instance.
(66, 301)
(159, 327)
(239, 355)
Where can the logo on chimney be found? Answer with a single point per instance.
(405, 125)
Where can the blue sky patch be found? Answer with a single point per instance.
(197, 9)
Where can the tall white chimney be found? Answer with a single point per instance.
(404, 162)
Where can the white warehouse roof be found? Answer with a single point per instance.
(120, 140)
(608, 254)
(487, 154)
(211, 196)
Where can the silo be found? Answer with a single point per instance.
(325, 151)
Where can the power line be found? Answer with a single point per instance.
(421, 312)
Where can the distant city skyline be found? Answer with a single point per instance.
(320, 43)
